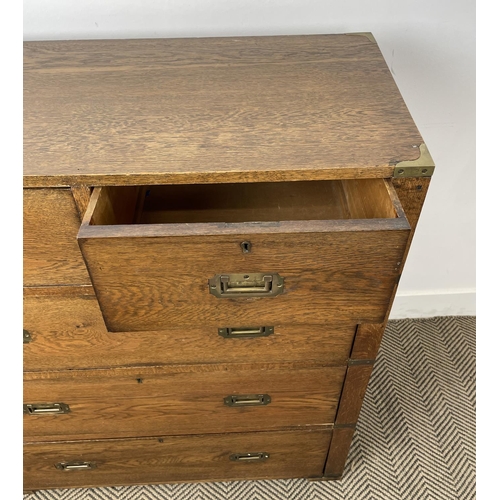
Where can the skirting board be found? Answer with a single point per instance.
(428, 304)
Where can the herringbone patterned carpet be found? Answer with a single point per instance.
(415, 437)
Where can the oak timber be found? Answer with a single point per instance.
(367, 341)
(250, 202)
(50, 225)
(81, 194)
(166, 459)
(174, 400)
(411, 193)
(353, 392)
(208, 115)
(235, 109)
(337, 454)
(68, 332)
(145, 283)
(152, 276)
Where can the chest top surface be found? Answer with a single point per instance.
(197, 110)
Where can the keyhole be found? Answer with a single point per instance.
(246, 246)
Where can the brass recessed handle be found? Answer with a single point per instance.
(247, 400)
(249, 457)
(69, 466)
(249, 285)
(244, 332)
(45, 408)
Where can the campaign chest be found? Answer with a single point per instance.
(214, 232)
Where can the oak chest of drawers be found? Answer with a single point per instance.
(214, 231)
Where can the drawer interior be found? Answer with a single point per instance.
(151, 258)
(246, 202)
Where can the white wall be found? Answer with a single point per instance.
(430, 48)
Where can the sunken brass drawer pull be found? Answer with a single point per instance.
(45, 408)
(69, 466)
(246, 332)
(247, 400)
(234, 286)
(249, 457)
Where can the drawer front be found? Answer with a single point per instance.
(154, 283)
(178, 400)
(50, 226)
(166, 459)
(153, 276)
(68, 332)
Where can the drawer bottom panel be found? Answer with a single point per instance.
(217, 457)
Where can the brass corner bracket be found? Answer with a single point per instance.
(423, 166)
(366, 34)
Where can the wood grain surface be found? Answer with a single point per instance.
(250, 202)
(244, 109)
(68, 332)
(183, 458)
(58, 291)
(196, 111)
(258, 201)
(132, 402)
(367, 340)
(339, 449)
(371, 199)
(50, 225)
(411, 193)
(81, 194)
(147, 283)
(353, 392)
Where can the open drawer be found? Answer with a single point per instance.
(244, 255)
